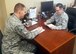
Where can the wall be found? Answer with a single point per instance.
(0, 17)
(31, 3)
(65, 2)
(3, 14)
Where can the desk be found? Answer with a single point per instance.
(54, 41)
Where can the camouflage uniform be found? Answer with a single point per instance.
(13, 32)
(61, 21)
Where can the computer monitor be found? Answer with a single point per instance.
(46, 6)
(47, 9)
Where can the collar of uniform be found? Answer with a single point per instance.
(15, 17)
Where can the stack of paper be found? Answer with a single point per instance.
(38, 28)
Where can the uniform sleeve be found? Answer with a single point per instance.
(21, 30)
(50, 20)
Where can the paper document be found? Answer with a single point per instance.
(36, 29)
(51, 26)
(34, 22)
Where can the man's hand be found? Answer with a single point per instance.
(45, 23)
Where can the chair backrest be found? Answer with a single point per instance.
(72, 19)
(1, 36)
(72, 26)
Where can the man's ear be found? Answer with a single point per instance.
(18, 11)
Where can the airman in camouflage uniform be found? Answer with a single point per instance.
(59, 19)
(14, 31)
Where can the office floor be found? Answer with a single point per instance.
(74, 51)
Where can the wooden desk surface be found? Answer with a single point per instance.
(51, 40)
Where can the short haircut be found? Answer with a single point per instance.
(60, 5)
(18, 6)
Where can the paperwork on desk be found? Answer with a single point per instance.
(33, 22)
(38, 28)
(27, 24)
(51, 26)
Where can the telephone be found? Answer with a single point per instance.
(44, 15)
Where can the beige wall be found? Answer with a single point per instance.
(31, 3)
(3, 14)
(65, 2)
(28, 3)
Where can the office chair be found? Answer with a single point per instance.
(72, 19)
(1, 36)
(72, 25)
